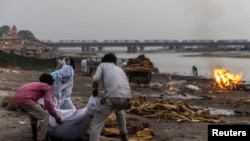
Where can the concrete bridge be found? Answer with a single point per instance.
(135, 45)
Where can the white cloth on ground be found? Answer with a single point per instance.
(75, 124)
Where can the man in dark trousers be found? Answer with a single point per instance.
(195, 71)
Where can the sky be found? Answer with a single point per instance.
(129, 19)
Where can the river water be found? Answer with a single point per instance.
(179, 64)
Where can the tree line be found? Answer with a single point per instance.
(22, 34)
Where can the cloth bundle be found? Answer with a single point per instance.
(75, 123)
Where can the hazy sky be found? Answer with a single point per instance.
(129, 19)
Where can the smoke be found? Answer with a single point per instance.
(215, 19)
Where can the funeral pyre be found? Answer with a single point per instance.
(139, 69)
(225, 80)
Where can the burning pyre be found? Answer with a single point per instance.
(225, 80)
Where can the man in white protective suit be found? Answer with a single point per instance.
(63, 85)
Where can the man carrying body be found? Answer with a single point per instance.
(116, 99)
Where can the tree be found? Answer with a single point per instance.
(27, 35)
(4, 30)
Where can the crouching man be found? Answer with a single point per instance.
(27, 97)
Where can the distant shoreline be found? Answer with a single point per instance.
(236, 54)
(229, 54)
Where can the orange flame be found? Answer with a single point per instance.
(170, 88)
(226, 80)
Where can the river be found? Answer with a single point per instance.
(179, 64)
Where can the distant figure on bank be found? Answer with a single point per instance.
(59, 62)
(84, 65)
(27, 97)
(72, 63)
(195, 71)
(124, 65)
(91, 66)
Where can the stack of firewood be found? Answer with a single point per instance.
(141, 63)
(170, 109)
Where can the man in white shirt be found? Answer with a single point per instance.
(84, 66)
(116, 99)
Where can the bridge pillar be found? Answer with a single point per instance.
(134, 49)
(129, 49)
(100, 48)
(83, 49)
(141, 48)
(172, 47)
(87, 49)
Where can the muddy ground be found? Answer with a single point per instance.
(14, 126)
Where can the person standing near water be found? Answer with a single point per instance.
(195, 71)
